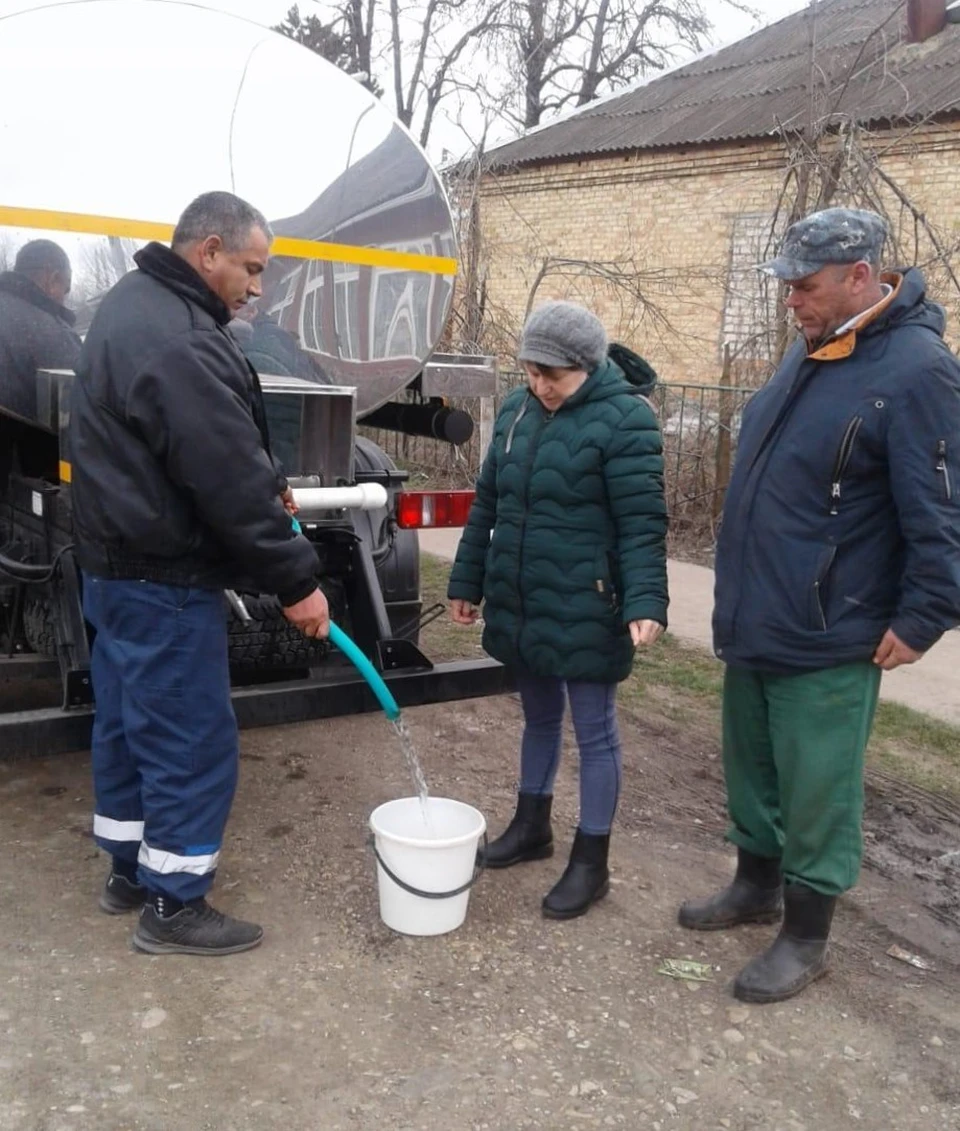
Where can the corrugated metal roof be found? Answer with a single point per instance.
(865, 66)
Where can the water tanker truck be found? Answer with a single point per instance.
(115, 116)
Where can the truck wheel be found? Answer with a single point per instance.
(269, 641)
(38, 626)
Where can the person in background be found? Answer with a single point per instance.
(176, 498)
(565, 545)
(838, 559)
(36, 328)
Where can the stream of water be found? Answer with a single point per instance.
(416, 772)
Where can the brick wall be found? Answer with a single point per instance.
(690, 220)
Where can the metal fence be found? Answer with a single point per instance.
(700, 425)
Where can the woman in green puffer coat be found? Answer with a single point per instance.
(566, 547)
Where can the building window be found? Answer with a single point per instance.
(750, 301)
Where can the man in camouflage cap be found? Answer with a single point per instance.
(838, 559)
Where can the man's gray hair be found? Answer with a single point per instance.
(219, 214)
(41, 256)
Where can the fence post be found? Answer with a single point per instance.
(725, 427)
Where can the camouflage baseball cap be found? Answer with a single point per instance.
(835, 235)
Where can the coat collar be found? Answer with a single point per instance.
(13, 283)
(175, 273)
(844, 341)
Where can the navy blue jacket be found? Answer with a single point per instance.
(843, 514)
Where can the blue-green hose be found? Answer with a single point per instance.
(339, 638)
(366, 669)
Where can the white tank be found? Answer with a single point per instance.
(113, 116)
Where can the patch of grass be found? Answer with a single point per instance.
(916, 747)
(903, 725)
(442, 639)
(684, 683)
(683, 668)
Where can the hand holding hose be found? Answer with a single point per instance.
(290, 504)
(311, 615)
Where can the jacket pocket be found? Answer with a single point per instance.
(842, 461)
(606, 577)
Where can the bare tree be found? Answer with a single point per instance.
(569, 52)
(102, 263)
(445, 34)
(344, 41)
(425, 48)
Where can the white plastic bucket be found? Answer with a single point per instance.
(438, 859)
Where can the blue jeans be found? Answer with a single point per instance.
(594, 710)
(165, 749)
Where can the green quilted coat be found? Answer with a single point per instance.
(565, 542)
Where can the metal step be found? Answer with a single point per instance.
(51, 730)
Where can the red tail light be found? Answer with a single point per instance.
(417, 509)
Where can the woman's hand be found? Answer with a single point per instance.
(645, 632)
(464, 612)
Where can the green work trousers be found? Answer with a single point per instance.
(793, 753)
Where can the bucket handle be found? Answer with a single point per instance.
(477, 872)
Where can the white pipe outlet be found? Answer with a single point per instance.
(361, 497)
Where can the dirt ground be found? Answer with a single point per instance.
(513, 1021)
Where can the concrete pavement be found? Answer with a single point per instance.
(931, 686)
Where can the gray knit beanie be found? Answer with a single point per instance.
(564, 335)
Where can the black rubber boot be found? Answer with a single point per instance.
(196, 928)
(798, 955)
(753, 897)
(527, 837)
(585, 880)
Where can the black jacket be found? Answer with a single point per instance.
(35, 333)
(842, 518)
(172, 478)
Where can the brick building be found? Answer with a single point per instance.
(677, 185)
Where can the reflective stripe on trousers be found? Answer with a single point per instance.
(167, 863)
(120, 832)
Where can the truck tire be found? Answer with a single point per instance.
(38, 626)
(270, 642)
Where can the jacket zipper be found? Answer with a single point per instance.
(534, 443)
(842, 462)
(513, 424)
(942, 468)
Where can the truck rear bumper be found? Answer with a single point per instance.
(51, 730)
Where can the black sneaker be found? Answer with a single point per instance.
(196, 929)
(119, 895)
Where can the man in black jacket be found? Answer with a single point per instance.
(176, 497)
(35, 333)
(35, 327)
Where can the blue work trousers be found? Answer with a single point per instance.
(165, 750)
